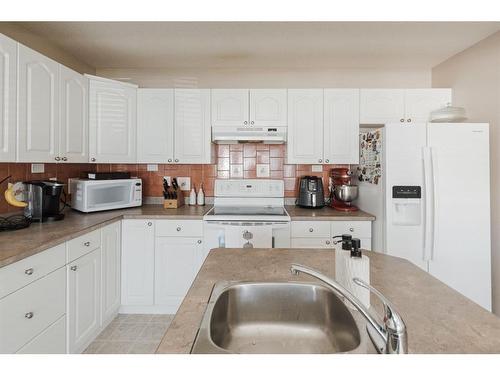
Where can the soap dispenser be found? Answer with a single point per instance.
(200, 198)
(351, 264)
(192, 197)
(342, 251)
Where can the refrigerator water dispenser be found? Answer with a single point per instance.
(406, 205)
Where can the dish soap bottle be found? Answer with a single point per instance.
(192, 197)
(200, 199)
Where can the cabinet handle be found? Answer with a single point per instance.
(86, 244)
(73, 268)
(402, 120)
(149, 223)
(311, 230)
(93, 159)
(327, 160)
(199, 241)
(409, 120)
(178, 229)
(170, 160)
(28, 315)
(176, 160)
(29, 271)
(320, 160)
(351, 229)
(327, 242)
(245, 122)
(57, 158)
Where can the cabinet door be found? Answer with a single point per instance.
(112, 121)
(229, 107)
(379, 106)
(155, 125)
(38, 107)
(176, 264)
(73, 138)
(419, 103)
(341, 126)
(268, 107)
(8, 82)
(84, 300)
(192, 127)
(137, 262)
(111, 270)
(305, 126)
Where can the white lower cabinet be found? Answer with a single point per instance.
(84, 301)
(138, 252)
(50, 341)
(110, 272)
(176, 266)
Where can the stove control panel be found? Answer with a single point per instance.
(249, 188)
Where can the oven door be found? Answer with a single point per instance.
(108, 195)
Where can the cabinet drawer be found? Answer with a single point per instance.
(180, 228)
(310, 229)
(19, 274)
(312, 243)
(356, 229)
(27, 312)
(50, 341)
(82, 245)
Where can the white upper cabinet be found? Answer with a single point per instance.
(192, 131)
(38, 107)
(112, 121)
(379, 106)
(230, 107)
(305, 126)
(155, 125)
(268, 107)
(8, 82)
(73, 134)
(341, 126)
(419, 103)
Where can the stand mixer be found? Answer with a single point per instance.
(343, 192)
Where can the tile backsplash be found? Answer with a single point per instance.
(233, 161)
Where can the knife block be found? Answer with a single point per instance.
(174, 203)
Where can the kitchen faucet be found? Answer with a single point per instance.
(392, 332)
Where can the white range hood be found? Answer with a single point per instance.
(232, 135)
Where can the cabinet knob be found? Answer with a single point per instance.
(64, 158)
(93, 159)
(178, 229)
(252, 122)
(402, 120)
(199, 241)
(149, 223)
(73, 268)
(311, 230)
(170, 160)
(351, 229)
(320, 160)
(245, 122)
(28, 315)
(409, 120)
(57, 158)
(328, 242)
(86, 244)
(327, 160)
(29, 271)
(176, 160)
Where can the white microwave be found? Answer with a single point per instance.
(101, 195)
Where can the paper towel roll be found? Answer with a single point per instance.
(346, 268)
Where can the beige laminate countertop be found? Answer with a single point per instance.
(326, 214)
(17, 245)
(438, 319)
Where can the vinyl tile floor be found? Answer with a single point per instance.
(131, 334)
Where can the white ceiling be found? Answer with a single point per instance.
(263, 44)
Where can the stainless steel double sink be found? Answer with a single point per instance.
(279, 317)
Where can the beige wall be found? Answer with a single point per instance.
(272, 77)
(474, 75)
(42, 45)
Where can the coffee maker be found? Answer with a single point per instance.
(343, 192)
(311, 194)
(44, 200)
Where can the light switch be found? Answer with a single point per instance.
(317, 168)
(262, 170)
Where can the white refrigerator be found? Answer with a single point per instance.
(436, 202)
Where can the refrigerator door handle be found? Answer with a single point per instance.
(428, 204)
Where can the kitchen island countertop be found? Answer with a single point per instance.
(438, 319)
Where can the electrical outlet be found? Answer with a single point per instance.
(184, 183)
(262, 170)
(317, 168)
(37, 168)
(152, 168)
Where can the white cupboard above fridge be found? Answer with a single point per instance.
(112, 121)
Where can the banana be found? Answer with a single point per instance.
(9, 197)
